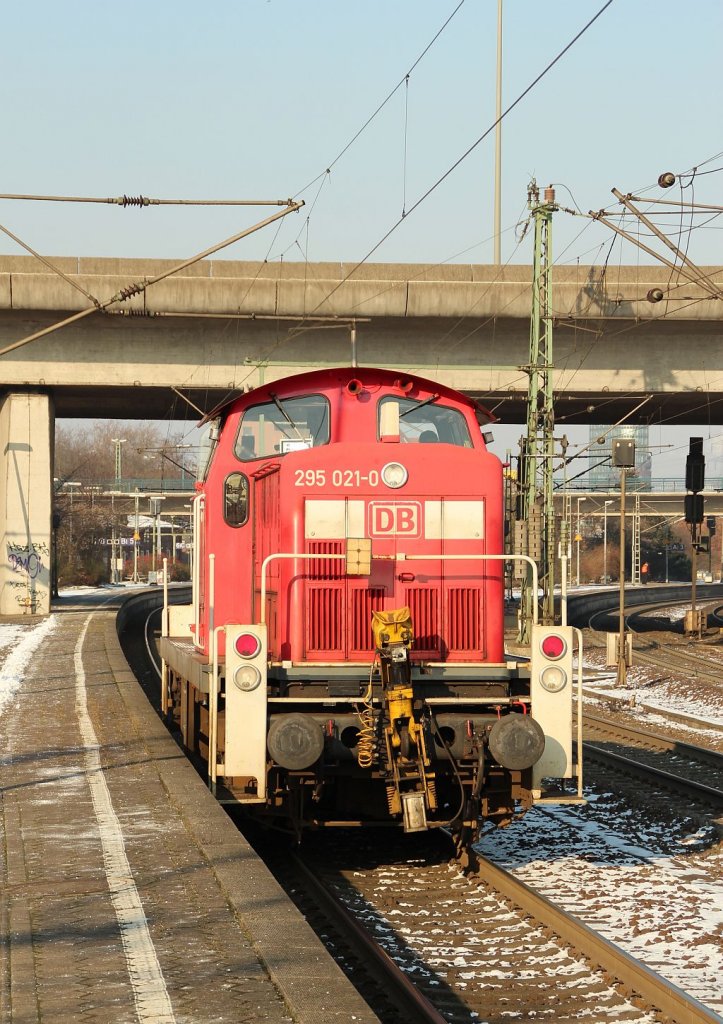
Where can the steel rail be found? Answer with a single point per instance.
(686, 661)
(658, 741)
(656, 775)
(678, 717)
(631, 973)
(405, 992)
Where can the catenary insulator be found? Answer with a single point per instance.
(666, 180)
(655, 295)
(125, 201)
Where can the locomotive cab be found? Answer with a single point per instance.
(349, 527)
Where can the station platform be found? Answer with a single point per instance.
(127, 893)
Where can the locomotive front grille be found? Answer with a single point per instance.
(447, 623)
(464, 632)
(324, 623)
(325, 568)
(423, 604)
(364, 601)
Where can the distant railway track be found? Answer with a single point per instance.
(690, 663)
(406, 919)
(694, 772)
(644, 738)
(676, 653)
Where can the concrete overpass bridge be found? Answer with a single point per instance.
(222, 325)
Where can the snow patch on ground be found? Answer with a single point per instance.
(664, 910)
(25, 640)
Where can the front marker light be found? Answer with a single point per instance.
(247, 645)
(247, 677)
(394, 474)
(553, 646)
(553, 678)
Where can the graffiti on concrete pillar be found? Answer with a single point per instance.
(28, 564)
(27, 559)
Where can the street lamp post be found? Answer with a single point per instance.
(605, 540)
(70, 484)
(578, 538)
(114, 545)
(136, 538)
(155, 510)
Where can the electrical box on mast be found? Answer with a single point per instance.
(623, 453)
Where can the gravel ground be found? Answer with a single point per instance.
(651, 886)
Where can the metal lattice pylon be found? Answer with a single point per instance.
(535, 505)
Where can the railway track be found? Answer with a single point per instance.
(693, 771)
(698, 660)
(481, 945)
(465, 949)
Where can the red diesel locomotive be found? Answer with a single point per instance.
(343, 659)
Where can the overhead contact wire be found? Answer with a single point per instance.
(386, 100)
(470, 149)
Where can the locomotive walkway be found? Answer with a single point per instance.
(127, 893)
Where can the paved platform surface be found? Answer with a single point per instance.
(127, 894)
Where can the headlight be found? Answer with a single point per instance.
(247, 677)
(394, 474)
(553, 678)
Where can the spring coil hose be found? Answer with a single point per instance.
(365, 742)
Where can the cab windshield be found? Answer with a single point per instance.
(283, 425)
(428, 422)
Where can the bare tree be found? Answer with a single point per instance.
(85, 467)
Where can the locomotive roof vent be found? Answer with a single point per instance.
(354, 387)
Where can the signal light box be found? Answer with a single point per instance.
(623, 452)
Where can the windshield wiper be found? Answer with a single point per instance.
(419, 405)
(284, 413)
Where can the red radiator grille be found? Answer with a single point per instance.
(324, 620)
(325, 568)
(464, 607)
(424, 607)
(363, 602)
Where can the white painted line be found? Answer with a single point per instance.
(153, 1005)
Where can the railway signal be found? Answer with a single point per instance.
(694, 482)
(623, 456)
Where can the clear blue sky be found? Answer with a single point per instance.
(255, 98)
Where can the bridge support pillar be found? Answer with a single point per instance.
(26, 495)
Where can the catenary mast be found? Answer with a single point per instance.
(535, 529)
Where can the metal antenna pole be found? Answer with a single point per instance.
(498, 142)
(352, 336)
(537, 508)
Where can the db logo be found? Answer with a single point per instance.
(398, 519)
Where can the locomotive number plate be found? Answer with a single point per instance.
(336, 478)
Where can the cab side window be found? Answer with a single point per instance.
(236, 499)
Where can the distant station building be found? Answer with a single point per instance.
(603, 475)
